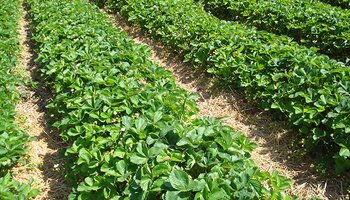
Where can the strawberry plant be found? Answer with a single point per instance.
(310, 90)
(342, 3)
(10, 189)
(308, 22)
(12, 139)
(134, 133)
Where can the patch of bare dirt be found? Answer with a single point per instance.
(273, 139)
(43, 162)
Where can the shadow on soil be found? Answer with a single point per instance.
(52, 162)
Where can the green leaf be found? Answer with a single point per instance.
(119, 153)
(84, 155)
(176, 195)
(127, 122)
(138, 159)
(197, 185)
(121, 167)
(179, 180)
(161, 169)
(145, 183)
(157, 116)
(279, 182)
(89, 181)
(140, 124)
(157, 149)
(142, 148)
(344, 152)
(3, 151)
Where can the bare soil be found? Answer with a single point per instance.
(43, 162)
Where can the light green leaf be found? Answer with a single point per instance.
(179, 180)
(138, 159)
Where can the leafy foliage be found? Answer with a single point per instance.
(311, 90)
(12, 139)
(342, 3)
(10, 189)
(134, 133)
(308, 22)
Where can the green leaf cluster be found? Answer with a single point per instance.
(13, 141)
(345, 4)
(13, 190)
(309, 22)
(310, 90)
(134, 133)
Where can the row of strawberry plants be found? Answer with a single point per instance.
(308, 22)
(342, 3)
(134, 133)
(310, 90)
(13, 141)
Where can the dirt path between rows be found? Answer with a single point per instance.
(43, 162)
(273, 152)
